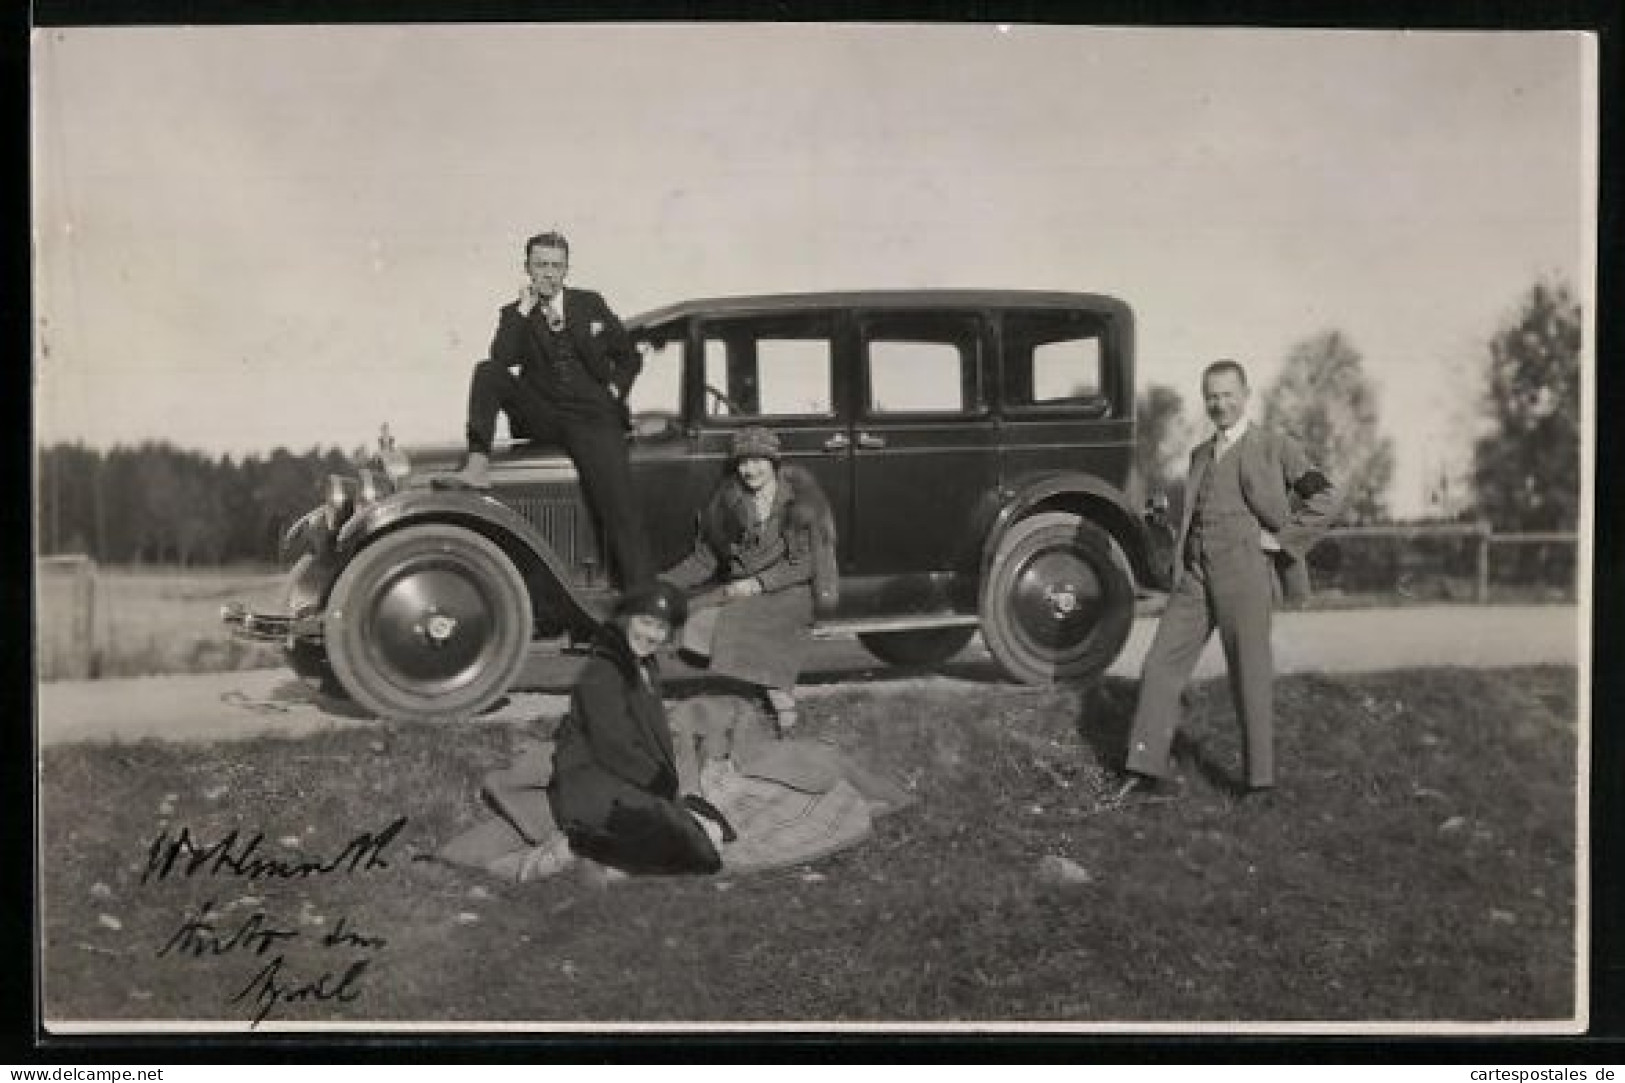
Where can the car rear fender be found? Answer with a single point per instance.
(1085, 495)
(542, 568)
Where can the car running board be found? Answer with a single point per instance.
(843, 628)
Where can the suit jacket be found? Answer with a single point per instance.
(600, 339)
(1285, 493)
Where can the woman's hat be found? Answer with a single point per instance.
(755, 443)
(658, 599)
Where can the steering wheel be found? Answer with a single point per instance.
(722, 398)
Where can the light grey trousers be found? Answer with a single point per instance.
(1225, 585)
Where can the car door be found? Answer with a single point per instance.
(924, 440)
(779, 370)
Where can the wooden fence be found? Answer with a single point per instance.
(65, 616)
(1478, 536)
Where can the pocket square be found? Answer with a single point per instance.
(596, 326)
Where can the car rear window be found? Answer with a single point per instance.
(1055, 361)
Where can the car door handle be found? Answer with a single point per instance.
(869, 439)
(838, 442)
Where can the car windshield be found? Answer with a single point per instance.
(659, 387)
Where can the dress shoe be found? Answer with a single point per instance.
(1258, 797)
(1137, 787)
(783, 706)
(475, 474)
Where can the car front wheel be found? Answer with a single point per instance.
(429, 622)
(1057, 603)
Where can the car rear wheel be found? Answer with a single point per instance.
(921, 647)
(1058, 602)
(429, 622)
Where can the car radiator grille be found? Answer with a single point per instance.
(568, 527)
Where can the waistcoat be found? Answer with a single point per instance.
(1221, 510)
(562, 375)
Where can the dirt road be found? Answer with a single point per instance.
(237, 705)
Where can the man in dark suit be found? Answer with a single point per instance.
(561, 366)
(1254, 506)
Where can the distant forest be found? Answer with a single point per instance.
(157, 504)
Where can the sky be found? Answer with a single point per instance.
(284, 236)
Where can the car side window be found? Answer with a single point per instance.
(922, 365)
(769, 367)
(1055, 361)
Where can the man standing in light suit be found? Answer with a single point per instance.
(1241, 537)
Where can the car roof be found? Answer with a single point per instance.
(773, 303)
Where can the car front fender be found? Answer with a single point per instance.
(544, 571)
(1087, 495)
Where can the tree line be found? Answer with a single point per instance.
(1525, 458)
(158, 504)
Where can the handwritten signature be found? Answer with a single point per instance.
(200, 936)
(234, 855)
(270, 988)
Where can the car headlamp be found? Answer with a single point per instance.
(373, 486)
(305, 533)
(340, 502)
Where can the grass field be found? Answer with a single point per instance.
(1418, 865)
(147, 621)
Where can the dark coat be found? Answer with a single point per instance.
(794, 545)
(760, 639)
(600, 339)
(614, 787)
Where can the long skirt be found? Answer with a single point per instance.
(760, 640)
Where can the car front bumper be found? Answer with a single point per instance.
(246, 623)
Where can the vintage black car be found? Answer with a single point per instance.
(977, 446)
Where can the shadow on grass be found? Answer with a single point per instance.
(1106, 718)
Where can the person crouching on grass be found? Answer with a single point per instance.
(614, 790)
(764, 550)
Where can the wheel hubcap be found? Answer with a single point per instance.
(439, 629)
(1057, 600)
(431, 626)
(1063, 600)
